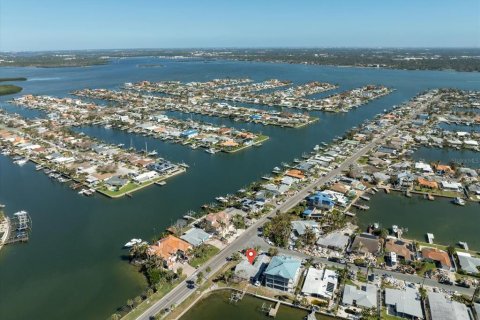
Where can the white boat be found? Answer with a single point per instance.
(316, 148)
(459, 201)
(21, 162)
(395, 228)
(153, 153)
(132, 242)
(211, 151)
(38, 167)
(221, 199)
(183, 164)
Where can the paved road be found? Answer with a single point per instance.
(260, 242)
(181, 292)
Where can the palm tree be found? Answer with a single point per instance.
(130, 303)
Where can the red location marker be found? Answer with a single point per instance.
(251, 254)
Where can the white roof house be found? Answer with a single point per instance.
(451, 185)
(320, 283)
(442, 308)
(467, 262)
(421, 166)
(365, 297)
(403, 303)
(336, 240)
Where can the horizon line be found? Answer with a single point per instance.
(246, 47)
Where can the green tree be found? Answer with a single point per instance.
(208, 269)
(115, 316)
(199, 278)
(149, 292)
(273, 251)
(278, 229)
(180, 271)
(137, 300)
(130, 303)
(451, 250)
(236, 256)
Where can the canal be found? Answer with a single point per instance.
(218, 307)
(74, 267)
(448, 222)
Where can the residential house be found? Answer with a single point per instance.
(217, 223)
(251, 272)
(320, 283)
(282, 273)
(366, 243)
(468, 263)
(442, 308)
(402, 249)
(404, 303)
(439, 257)
(170, 249)
(195, 236)
(335, 240)
(365, 297)
(321, 200)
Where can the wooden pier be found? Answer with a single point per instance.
(361, 206)
(273, 311)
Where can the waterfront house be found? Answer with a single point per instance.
(404, 303)
(468, 263)
(335, 240)
(402, 249)
(365, 297)
(424, 183)
(321, 200)
(423, 167)
(188, 134)
(115, 182)
(320, 283)
(145, 177)
(439, 257)
(282, 273)
(217, 223)
(442, 169)
(295, 173)
(195, 236)
(170, 249)
(442, 308)
(366, 243)
(245, 271)
(451, 186)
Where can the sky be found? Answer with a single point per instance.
(36, 25)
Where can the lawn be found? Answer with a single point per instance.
(210, 251)
(142, 307)
(386, 316)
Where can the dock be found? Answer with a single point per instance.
(430, 238)
(361, 206)
(273, 311)
(19, 229)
